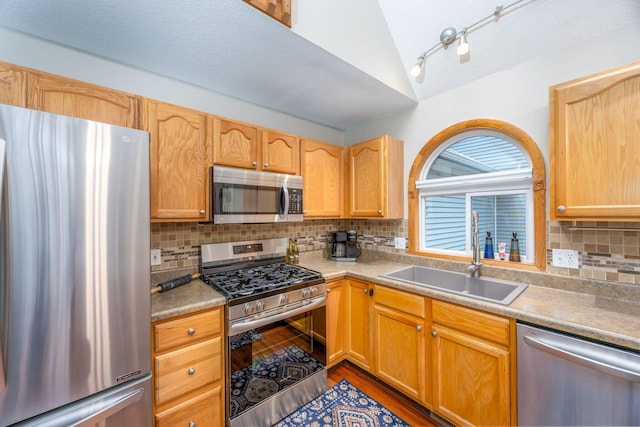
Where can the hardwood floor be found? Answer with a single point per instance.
(392, 400)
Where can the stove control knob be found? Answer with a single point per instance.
(249, 308)
(284, 299)
(259, 306)
(305, 293)
(314, 291)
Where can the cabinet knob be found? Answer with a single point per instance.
(561, 208)
(191, 371)
(379, 212)
(191, 331)
(266, 165)
(202, 212)
(328, 290)
(192, 424)
(366, 291)
(254, 163)
(419, 327)
(434, 334)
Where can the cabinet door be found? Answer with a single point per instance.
(471, 379)
(359, 321)
(594, 148)
(400, 335)
(180, 155)
(376, 177)
(322, 173)
(205, 410)
(13, 89)
(280, 152)
(336, 322)
(235, 144)
(61, 95)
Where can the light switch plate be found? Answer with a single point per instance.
(400, 243)
(565, 258)
(156, 257)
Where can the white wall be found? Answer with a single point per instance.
(519, 95)
(21, 49)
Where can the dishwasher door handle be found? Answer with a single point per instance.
(572, 354)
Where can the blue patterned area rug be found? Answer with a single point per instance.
(343, 405)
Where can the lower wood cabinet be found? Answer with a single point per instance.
(400, 354)
(336, 326)
(456, 361)
(359, 323)
(473, 366)
(188, 370)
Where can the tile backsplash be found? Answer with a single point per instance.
(607, 251)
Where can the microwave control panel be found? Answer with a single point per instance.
(295, 201)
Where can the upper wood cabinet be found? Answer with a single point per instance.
(594, 147)
(242, 145)
(280, 10)
(322, 173)
(13, 88)
(376, 176)
(180, 159)
(235, 144)
(62, 95)
(280, 152)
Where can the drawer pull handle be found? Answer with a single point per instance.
(192, 424)
(191, 371)
(191, 331)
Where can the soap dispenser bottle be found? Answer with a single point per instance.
(488, 246)
(514, 252)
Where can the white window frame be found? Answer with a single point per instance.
(517, 181)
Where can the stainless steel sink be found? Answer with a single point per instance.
(483, 288)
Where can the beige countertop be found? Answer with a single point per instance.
(612, 320)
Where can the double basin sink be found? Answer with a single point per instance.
(486, 289)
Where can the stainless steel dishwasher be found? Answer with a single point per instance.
(568, 381)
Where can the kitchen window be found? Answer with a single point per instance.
(485, 166)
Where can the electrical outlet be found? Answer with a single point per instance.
(156, 257)
(565, 258)
(400, 242)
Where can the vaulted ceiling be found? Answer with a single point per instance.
(231, 48)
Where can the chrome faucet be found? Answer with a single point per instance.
(474, 267)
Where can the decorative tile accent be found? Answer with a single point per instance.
(605, 253)
(608, 251)
(180, 242)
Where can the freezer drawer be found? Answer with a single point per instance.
(568, 381)
(127, 405)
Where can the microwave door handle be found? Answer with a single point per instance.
(284, 200)
(3, 151)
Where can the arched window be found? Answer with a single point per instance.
(486, 166)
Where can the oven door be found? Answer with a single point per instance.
(275, 365)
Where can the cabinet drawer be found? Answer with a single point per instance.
(400, 300)
(184, 331)
(187, 369)
(484, 325)
(204, 410)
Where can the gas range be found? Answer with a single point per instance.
(254, 278)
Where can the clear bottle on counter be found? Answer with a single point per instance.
(514, 251)
(295, 255)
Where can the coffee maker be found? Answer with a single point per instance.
(345, 246)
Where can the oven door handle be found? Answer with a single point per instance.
(244, 326)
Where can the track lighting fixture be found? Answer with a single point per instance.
(450, 34)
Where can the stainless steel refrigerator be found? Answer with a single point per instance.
(74, 272)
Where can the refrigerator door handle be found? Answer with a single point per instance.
(3, 150)
(111, 408)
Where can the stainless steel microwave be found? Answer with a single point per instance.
(248, 196)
